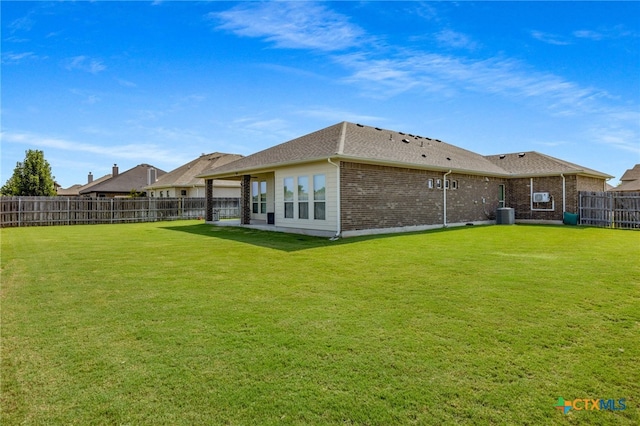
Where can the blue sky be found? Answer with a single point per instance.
(97, 83)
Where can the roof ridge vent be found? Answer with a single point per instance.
(438, 140)
(378, 129)
(521, 154)
(502, 156)
(359, 125)
(406, 140)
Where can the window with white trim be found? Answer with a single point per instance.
(288, 198)
(319, 190)
(255, 197)
(263, 197)
(430, 184)
(303, 197)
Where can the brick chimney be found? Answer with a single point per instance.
(114, 170)
(90, 178)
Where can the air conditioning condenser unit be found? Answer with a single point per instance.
(541, 197)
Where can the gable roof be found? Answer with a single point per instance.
(187, 174)
(75, 189)
(134, 178)
(631, 174)
(70, 191)
(532, 163)
(349, 141)
(630, 180)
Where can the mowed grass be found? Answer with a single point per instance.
(184, 323)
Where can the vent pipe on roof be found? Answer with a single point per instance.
(90, 178)
(151, 176)
(114, 170)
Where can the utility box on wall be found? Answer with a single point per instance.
(505, 216)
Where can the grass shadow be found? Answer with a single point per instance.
(290, 242)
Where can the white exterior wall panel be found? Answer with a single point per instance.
(331, 207)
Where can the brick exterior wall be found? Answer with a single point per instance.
(377, 197)
(208, 212)
(519, 195)
(245, 200)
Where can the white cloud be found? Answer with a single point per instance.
(337, 115)
(295, 25)
(450, 38)
(430, 72)
(84, 63)
(126, 83)
(15, 58)
(133, 151)
(549, 38)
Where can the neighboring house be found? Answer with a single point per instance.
(349, 179)
(122, 184)
(74, 190)
(183, 181)
(630, 180)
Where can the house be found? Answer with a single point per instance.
(74, 190)
(630, 180)
(350, 179)
(183, 181)
(541, 187)
(123, 184)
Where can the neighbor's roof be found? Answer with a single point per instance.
(77, 188)
(349, 141)
(135, 178)
(630, 180)
(70, 191)
(533, 163)
(186, 175)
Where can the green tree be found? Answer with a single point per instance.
(32, 177)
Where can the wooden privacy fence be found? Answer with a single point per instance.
(610, 209)
(44, 211)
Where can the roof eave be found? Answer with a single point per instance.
(558, 173)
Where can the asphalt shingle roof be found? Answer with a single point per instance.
(358, 142)
(134, 178)
(533, 163)
(186, 175)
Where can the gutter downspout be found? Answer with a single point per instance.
(444, 193)
(564, 194)
(531, 197)
(338, 224)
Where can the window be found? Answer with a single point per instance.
(430, 184)
(454, 184)
(263, 197)
(303, 197)
(168, 193)
(438, 184)
(446, 183)
(319, 197)
(183, 192)
(161, 194)
(500, 195)
(288, 198)
(254, 196)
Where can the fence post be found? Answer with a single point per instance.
(111, 210)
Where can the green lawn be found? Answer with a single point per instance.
(183, 323)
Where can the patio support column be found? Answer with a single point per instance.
(208, 209)
(245, 200)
